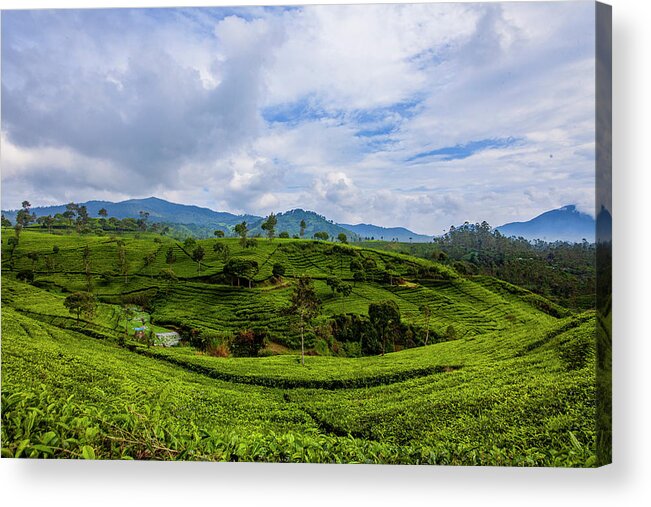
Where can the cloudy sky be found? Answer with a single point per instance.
(420, 115)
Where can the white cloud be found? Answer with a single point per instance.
(124, 103)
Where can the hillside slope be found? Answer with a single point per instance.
(205, 299)
(512, 385)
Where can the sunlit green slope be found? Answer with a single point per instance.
(516, 386)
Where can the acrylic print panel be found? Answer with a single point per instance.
(337, 234)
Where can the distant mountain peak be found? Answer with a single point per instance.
(561, 224)
(150, 199)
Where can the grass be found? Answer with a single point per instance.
(516, 388)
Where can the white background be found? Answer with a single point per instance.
(626, 482)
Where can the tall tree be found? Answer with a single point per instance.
(82, 218)
(127, 314)
(142, 221)
(269, 225)
(342, 238)
(24, 217)
(305, 306)
(427, 313)
(122, 261)
(18, 229)
(33, 256)
(168, 275)
(222, 251)
(198, 254)
(102, 213)
(170, 256)
(303, 225)
(70, 212)
(46, 221)
(369, 266)
(242, 230)
(81, 303)
(333, 282)
(383, 316)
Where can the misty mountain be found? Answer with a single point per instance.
(194, 220)
(562, 224)
(371, 231)
(159, 211)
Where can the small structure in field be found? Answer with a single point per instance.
(167, 339)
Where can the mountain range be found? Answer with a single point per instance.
(563, 224)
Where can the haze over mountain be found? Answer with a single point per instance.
(370, 231)
(275, 108)
(204, 220)
(562, 224)
(159, 210)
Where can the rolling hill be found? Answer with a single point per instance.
(507, 378)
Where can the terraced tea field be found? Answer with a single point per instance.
(512, 384)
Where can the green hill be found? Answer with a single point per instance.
(290, 222)
(506, 379)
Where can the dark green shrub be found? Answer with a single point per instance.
(451, 333)
(248, 342)
(26, 275)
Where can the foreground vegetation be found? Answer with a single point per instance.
(507, 377)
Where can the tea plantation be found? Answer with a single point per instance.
(470, 370)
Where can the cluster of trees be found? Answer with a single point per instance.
(382, 331)
(246, 342)
(339, 287)
(76, 217)
(81, 303)
(563, 272)
(237, 269)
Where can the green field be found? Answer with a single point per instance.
(508, 377)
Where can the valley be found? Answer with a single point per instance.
(446, 368)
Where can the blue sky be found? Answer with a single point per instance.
(422, 115)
